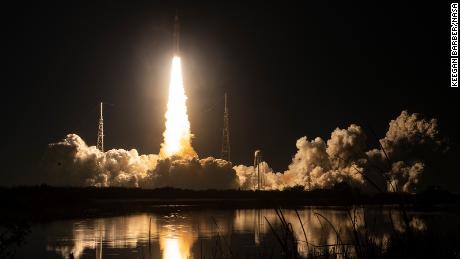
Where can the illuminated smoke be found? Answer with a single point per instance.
(343, 158)
(177, 136)
(317, 163)
(410, 138)
(72, 162)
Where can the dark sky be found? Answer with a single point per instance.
(290, 70)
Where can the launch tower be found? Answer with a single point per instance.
(100, 132)
(257, 170)
(225, 154)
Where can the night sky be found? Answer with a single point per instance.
(290, 70)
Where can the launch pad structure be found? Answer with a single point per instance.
(258, 159)
(225, 152)
(100, 131)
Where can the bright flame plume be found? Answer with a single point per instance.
(177, 136)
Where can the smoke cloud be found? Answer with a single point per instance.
(344, 157)
(72, 162)
(318, 164)
(194, 173)
(409, 139)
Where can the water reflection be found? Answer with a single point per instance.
(172, 250)
(193, 234)
(176, 240)
(94, 234)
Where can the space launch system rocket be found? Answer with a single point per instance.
(176, 35)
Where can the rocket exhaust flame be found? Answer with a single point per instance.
(177, 136)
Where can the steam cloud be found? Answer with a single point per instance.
(409, 138)
(318, 164)
(344, 157)
(72, 162)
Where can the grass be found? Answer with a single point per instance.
(411, 243)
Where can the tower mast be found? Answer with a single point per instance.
(225, 154)
(258, 159)
(100, 132)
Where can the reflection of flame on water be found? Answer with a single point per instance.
(176, 234)
(175, 237)
(172, 249)
(99, 245)
(176, 240)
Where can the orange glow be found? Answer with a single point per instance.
(177, 136)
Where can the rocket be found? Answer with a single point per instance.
(176, 35)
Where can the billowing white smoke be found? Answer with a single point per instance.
(343, 158)
(207, 173)
(317, 163)
(403, 176)
(72, 162)
(410, 138)
(247, 176)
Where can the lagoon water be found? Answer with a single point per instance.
(194, 232)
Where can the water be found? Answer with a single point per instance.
(182, 232)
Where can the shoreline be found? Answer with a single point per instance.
(42, 203)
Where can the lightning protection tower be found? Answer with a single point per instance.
(225, 153)
(100, 132)
(257, 169)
